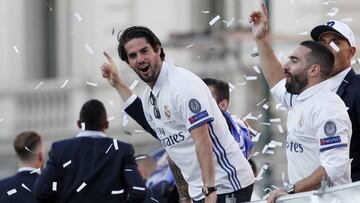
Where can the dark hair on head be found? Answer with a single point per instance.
(321, 55)
(221, 89)
(26, 144)
(93, 114)
(138, 32)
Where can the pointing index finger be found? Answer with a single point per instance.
(108, 57)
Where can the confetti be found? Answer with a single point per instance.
(116, 192)
(304, 33)
(63, 85)
(213, 21)
(281, 130)
(128, 170)
(205, 11)
(347, 20)
(261, 172)
(139, 188)
(108, 148)
(91, 83)
(11, 192)
(265, 106)
(35, 171)
(81, 187)
(241, 84)
(256, 138)
(78, 16)
(24, 186)
(140, 157)
(66, 164)
(231, 87)
(270, 152)
(255, 154)
(263, 123)
(111, 118)
(1, 119)
(88, 48)
(48, 5)
(261, 102)
(116, 146)
(16, 49)
(250, 117)
(333, 12)
(259, 116)
(275, 120)
(228, 23)
(37, 86)
(256, 69)
(29, 150)
(265, 148)
(189, 46)
(133, 84)
(276, 143)
(250, 77)
(111, 102)
(82, 126)
(334, 46)
(54, 186)
(153, 199)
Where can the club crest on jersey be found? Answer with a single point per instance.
(301, 121)
(194, 106)
(330, 128)
(167, 112)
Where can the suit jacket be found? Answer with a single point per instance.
(15, 182)
(110, 175)
(349, 91)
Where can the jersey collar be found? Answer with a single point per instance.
(161, 78)
(312, 90)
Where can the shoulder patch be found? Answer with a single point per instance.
(194, 106)
(330, 128)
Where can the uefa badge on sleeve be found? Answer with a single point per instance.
(330, 128)
(194, 106)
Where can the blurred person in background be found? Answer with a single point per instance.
(31, 153)
(319, 128)
(91, 167)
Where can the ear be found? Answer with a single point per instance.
(352, 51)
(78, 124)
(158, 49)
(223, 104)
(106, 124)
(314, 70)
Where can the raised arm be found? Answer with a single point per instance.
(271, 67)
(111, 73)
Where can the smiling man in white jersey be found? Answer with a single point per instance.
(179, 108)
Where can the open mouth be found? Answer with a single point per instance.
(145, 69)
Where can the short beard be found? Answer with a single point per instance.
(295, 84)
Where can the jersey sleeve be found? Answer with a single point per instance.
(194, 103)
(333, 129)
(281, 95)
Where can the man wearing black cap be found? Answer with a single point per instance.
(345, 82)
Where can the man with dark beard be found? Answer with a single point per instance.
(319, 128)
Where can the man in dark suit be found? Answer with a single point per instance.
(344, 81)
(31, 153)
(91, 167)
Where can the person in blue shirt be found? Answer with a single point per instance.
(220, 91)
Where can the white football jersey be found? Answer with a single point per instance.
(319, 132)
(180, 102)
